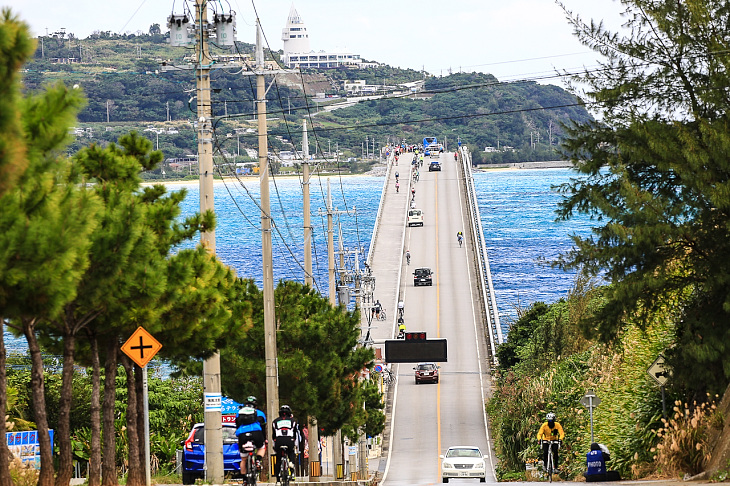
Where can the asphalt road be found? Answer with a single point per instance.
(429, 418)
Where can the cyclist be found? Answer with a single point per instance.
(285, 432)
(401, 307)
(460, 238)
(401, 328)
(550, 430)
(413, 193)
(408, 257)
(396, 176)
(251, 424)
(378, 307)
(456, 157)
(413, 204)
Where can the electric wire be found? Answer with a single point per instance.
(253, 199)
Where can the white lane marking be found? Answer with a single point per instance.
(479, 358)
(395, 392)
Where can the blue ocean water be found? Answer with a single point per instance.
(517, 209)
(518, 217)
(238, 237)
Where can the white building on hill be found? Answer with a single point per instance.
(297, 52)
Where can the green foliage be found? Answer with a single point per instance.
(541, 379)
(656, 177)
(318, 358)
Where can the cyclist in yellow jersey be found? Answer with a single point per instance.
(550, 430)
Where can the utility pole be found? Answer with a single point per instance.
(272, 372)
(167, 104)
(212, 366)
(337, 446)
(313, 438)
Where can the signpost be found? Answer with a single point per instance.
(661, 374)
(590, 401)
(141, 347)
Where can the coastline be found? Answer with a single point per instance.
(379, 171)
(551, 164)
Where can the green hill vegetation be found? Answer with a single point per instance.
(128, 88)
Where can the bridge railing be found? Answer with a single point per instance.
(374, 236)
(489, 300)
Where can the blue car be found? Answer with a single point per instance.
(194, 453)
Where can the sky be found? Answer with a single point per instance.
(511, 39)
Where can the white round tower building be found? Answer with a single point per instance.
(294, 35)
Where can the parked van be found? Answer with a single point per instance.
(415, 217)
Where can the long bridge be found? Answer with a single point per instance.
(425, 420)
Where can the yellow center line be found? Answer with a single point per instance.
(438, 324)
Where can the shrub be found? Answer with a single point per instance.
(683, 446)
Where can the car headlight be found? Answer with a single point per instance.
(479, 465)
(448, 465)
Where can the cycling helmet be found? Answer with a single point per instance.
(550, 416)
(285, 410)
(251, 400)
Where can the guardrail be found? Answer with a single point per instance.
(374, 236)
(485, 274)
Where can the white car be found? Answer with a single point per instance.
(415, 217)
(463, 462)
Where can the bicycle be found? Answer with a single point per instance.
(460, 239)
(251, 474)
(550, 460)
(380, 316)
(286, 469)
(388, 376)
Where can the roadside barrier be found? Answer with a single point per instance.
(489, 301)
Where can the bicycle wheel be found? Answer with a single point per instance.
(382, 315)
(251, 473)
(285, 471)
(550, 463)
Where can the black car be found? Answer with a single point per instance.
(422, 276)
(434, 166)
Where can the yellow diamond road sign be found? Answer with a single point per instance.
(141, 347)
(659, 371)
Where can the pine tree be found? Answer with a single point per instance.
(655, 176)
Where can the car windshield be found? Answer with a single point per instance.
(463, 452)
(427, 367)
(422, 272)
(229, 434)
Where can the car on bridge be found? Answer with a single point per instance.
(463, 462)
(193, 454)
(434, 165)
(422, 276)
(427, 372)
(415, 217)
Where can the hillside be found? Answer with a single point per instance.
(127, 89)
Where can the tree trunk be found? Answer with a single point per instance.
(94, 474)
(39, 403)
(5, 479)
(109, 465)
(135, 477)
(63, 431)
(139, 384)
